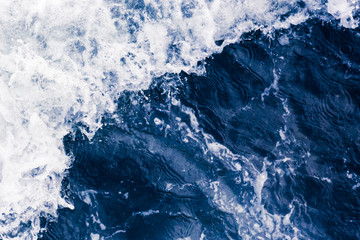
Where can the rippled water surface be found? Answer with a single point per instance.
(179, 119)
(264, 145)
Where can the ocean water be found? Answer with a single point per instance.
(206, 119)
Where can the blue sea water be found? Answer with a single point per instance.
(145, 173)
(253, 134)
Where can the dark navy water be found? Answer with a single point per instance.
(272, 126)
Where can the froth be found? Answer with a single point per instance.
(63, 62)
(344, 10)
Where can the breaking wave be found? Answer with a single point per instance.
(65, 64)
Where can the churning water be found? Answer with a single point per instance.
(204, 119)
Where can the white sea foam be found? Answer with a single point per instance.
(65, 61)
